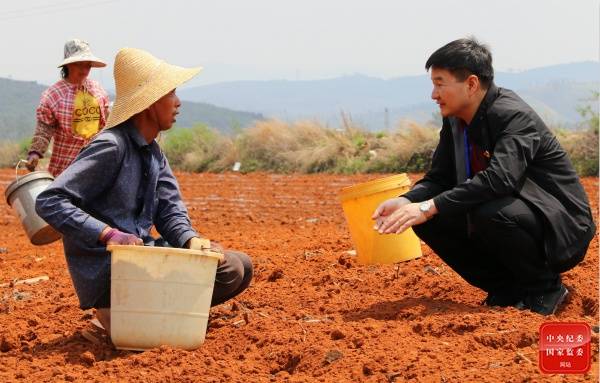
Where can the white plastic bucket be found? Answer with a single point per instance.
(160, 296)
(21, 195)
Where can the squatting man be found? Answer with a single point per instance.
(502, 204)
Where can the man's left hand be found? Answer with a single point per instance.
(403, 218)
(196, 243)
(217, 247)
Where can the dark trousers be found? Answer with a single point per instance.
(501, 252)
(233, 276)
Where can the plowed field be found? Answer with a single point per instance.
(312, 312)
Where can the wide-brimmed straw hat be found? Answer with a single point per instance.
(141, 79)
(77, 50)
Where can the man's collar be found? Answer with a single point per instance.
(489, 97)
(135, 135)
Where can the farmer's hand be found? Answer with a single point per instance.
(116, 237)
(32, 161)
(386, 208)
(197, 243)
(403, 218)
(217, 247)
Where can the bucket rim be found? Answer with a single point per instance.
(30, 177)
(170, 250)
(374, 186)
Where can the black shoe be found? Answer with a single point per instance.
(545, 303)
(502, 299)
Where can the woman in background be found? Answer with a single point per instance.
(71, 111)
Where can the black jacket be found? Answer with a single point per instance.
(526, 161)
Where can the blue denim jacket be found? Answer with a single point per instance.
(118, 180)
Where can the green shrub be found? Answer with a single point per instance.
(582, 148)
(582, 145)
(197, 149)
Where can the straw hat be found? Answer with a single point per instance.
(78, 50)
(141, 79)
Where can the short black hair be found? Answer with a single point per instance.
(64, 71)
(462, 58)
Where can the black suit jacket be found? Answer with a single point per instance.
(526, 161)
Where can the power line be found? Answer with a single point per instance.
(40, 7)
(42, 11)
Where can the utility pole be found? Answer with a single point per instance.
(386, 119)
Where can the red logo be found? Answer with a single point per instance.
(565, 348)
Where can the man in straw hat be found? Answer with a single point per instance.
(127, 187)
(502, 204)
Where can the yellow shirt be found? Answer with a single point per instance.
(86, 115)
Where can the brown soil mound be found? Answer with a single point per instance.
(311, 314)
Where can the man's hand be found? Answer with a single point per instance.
(217, 247)
(386, 208)
(405, 217)
(32, 161)
(117, 237)
(196, 243)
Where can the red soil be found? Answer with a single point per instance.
(311, 314)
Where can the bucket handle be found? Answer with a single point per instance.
(21, 161)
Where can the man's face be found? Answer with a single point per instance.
(451, 95)
(165, 110)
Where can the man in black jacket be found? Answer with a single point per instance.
(502, 204)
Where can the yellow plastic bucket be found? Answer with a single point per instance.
(160, 296)
(359, 202)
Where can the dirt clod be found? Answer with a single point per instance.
(337, 334)
(7, 343)
(275, 275)
(88, 358)
(332, 355)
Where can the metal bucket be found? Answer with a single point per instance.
(21, 195)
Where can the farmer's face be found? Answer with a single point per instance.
(79, 71)
(451, 95)
(165, 110)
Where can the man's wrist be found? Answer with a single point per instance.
(104, 233)
(404, 200)
(428, 208)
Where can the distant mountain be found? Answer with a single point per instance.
(554, 91)
(224, 120)
(19, 100)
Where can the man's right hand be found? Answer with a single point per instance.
(386, 208)
(117, 237)
(32, 161)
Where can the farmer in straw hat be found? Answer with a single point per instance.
(502, 204)
(71, 111)
(129, 187)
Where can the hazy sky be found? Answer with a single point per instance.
(308, 39)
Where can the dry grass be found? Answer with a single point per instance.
(309, 147)
(582, 147)
(10, 153)
(408, 148)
